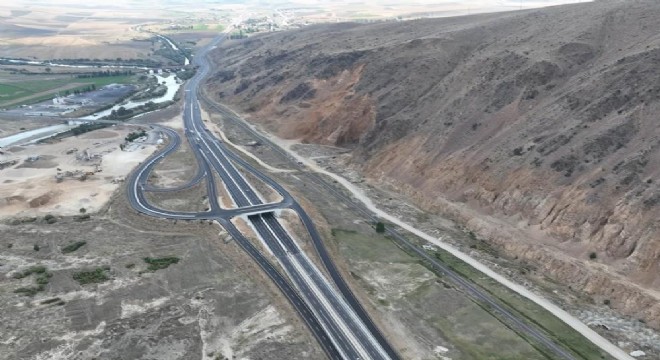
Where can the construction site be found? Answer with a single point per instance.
(62, 176)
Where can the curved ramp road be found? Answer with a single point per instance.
(327, 306)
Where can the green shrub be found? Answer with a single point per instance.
(29, 291)
(52, 301)
(91, 277)
(73, 247)
(380, 227)
(37, 269)
(80, 218)
(135, 135)
(160, 263)
(42, 279)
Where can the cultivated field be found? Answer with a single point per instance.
(20, 89)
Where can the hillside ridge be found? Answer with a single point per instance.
(536, 129)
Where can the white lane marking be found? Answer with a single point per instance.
(342, 302)
(311, 284)
(194, 126)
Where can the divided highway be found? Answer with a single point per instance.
(328, 307)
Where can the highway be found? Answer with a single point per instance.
(515, 321)
(327, 306)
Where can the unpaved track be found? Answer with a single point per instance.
(569, 319)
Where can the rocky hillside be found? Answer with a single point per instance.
(540, 129)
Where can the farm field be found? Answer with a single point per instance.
(14, 93)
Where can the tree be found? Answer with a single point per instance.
(36, 247)
(83, 210)
(48, 70)
(380, 227)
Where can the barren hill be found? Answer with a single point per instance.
(537, 129)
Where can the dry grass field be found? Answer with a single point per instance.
(44, 31)
(68, 29)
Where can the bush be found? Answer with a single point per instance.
(91, 277)
(186, 74)
(135, 135)
(518, 151)
(593, 255)
(42, 279)
(28, 291)
(37, 269)
(36, 247)
(380, 227)
(73, 247)
(160, 263)
(79, 218)
(51, 301)
(83, 128)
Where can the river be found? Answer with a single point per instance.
(172, 87)
(35, 135)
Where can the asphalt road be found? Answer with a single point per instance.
(335, 317)
(517, 323)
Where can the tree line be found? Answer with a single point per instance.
(106, 73)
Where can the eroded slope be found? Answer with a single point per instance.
(537, 129)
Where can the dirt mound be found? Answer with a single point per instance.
(544, 119)
(40, 200)
(14, 199)
(42, 162)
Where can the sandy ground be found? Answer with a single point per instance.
(29, 188)
(207, 306)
